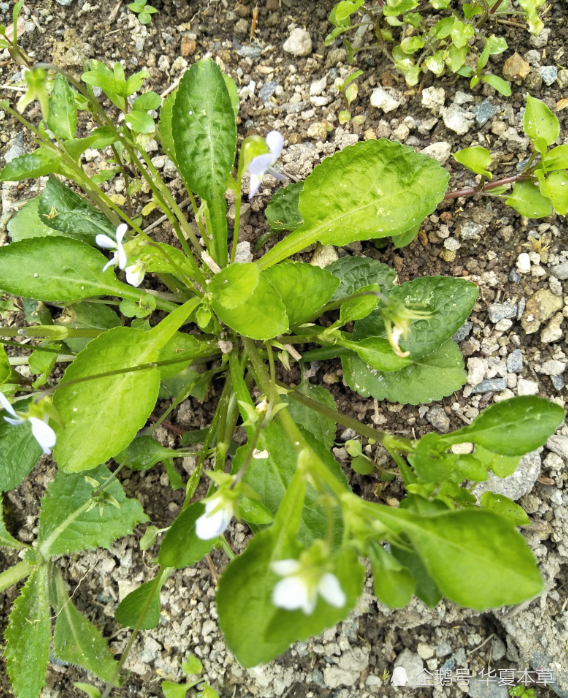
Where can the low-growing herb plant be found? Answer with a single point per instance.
(143, 10)
(418, 45)
(125, 345)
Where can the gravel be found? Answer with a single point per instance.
(299, 43)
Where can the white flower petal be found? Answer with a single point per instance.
(310, 603)
(213, 525)
(16, 422)
(121, 254)
(111, 262)
(6, 404)
(121, 232)
(255, 181)
(43, 433)
(285, 567)
(276, 174)
(134, 275)
(260, 164)
(275, 141)
(290, 593)
(331, 590)
(105, 242)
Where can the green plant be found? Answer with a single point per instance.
(143, 10)
(419, 46)
(300, 573)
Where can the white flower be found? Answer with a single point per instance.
(214, 522)
(262, 164)
(135, 273)
(43, 433)
(299, 589)
(108, 243)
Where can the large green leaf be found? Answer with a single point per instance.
(62, 209)
(62, 110)
(321, 427)
(527, 200)
(205, 137)
(512, 427)
(303, 288)
(431, 378)
(71, 520)
(37, 164)
(449, 302)
(368, 190)
(19, 451)
(181, 546)
(58, 269)
(282, 212)
(476, 557)
(27, 637)
(540, 122)
(356, 272)
(103, 415)
(77, 640)
(393, 583)
(6, 539)
(130, 608)
(27, 223)
(270, 476)
(165, 125)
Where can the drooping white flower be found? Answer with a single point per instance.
(262, 164)
(300, 587)
(135, 273)
(42, 432)
(215, 520)
(108, 243)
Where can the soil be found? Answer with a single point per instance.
(352, 659)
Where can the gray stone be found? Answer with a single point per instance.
(457, 119)
(483, 112)
(249, 52)
(267, 90)
(548, 73)
(478, 688)
(541, 40)
(449, 664)
(299, 43)
(558, 382)
(412, 664)
(433, 98)
(347, 435)
(558, 444)
(438, 419)
(65, 2)
(334, 677)
(553, 331)
(560, 271)
(521, 308)
(463, 332)
(16, 149)
(515, 361)
(243, 253)
(515, 485)
(440, 151)
(514, 277)
(460, 655)
(295, 107)
(526, 387)
(470, 230)
(381, 99)
(355, 659)
(553, 367)
(498, 649)
(318, 86)
(443, 649)
(500, 311)
(323, 256)
(490, 385)
(540, 306)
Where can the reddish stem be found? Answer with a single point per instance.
(491, 185)
(495, 7)
(169, 426)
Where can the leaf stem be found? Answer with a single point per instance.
(471, 191)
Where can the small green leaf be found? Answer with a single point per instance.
(62, 110)
(498, 84)
(394, 583)
(106, 136)
(77, 640)
(143, 453)
(431, 378)
(461, 33)
(129, 610)
(456, 57)
(254, 512)
(233, 92)
(67, 523)
(86, 315)
(321, 427)
(27, 223)
(7, 540)
(110, 82)
(440, 4)
(140, 122)
(174, 690)
(192, 665)
(235, 284)
(504, 506)
(502, 466)
(436, 62)
(19, 451)
(149, 100)
(27, 637)
(63, 210)
(539, 121)
(476, 160)
(37, 164)
(358, 308)
(362, 465)
(555, 159)
(493, 46)
(303, 288)
(377, 353)
(282, 212)
(555, 188)
(527, 200)
(443, 27)
(356, 272)
(91, 691)
(181, 547)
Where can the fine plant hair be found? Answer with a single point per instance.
(106, 346)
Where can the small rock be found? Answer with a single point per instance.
(443, 649)
(440, 421)
(553, 368)
(498, 311)
(548, 73)
(524, 263)
(553, 332)
(504, 325)
(541, 40)
(448, 255)
(476, 369)
(299, 43)
(515, 485)
(424, 651)
(440, 151)
(563, 78)
(412, 664)
(433, 98)
(317, 131)
(558, 382)
(188, 46)
(490, 385)
(323, 256)
(462, 449)
(426, 125)
(457, 119)
(559, 445)
(452, 244)
(381, 99)
(461, 98)
(483, 112)
(401, 132)
(470, 230)
(514, 277)
(478, 688)
(526, 387)
(272, 5)
(533, 82)
(347, 434)
(334, 677)
(560, 271)
(317, 87)
(16, 149)
(516, 68)
(463, 332)
(243, 253)
(267, 90)
(355, 659)
(498, 649)
(515, 361)
(65, 2)
(540, 307)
